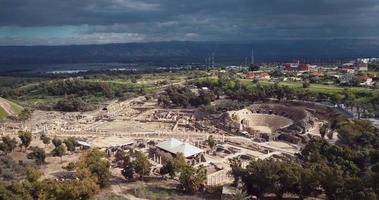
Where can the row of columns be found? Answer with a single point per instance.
(218, 178)
(157, 159)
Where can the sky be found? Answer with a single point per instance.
(63, 22)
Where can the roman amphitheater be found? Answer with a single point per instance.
(270, 122)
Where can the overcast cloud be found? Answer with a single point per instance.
(51, 22)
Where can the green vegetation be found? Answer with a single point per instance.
(172, 167)
(3, 114)
(182, 96)
(94, 164)
(191, 179)
(136, 163)
(26, 139)
(347, 170)
(8, 144)
(37, 154)
(59, 149)
(45, 139)
(9, 109)
(316, 88)
(366, 101)
(92, 170)
(86, 92)
(71, 144)
(56, 141)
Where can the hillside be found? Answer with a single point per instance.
(8, 108)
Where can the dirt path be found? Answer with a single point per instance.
(6, 106)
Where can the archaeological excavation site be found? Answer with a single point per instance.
(256, 131)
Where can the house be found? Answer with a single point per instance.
(302, 67)
(361, 66)
(366, 81)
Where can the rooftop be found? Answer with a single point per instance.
(175, 146)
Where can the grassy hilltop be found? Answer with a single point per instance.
(8, 108)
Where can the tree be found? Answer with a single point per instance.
(323, 130)
(6, 194)
(288, 180)
(120, 155)
(26, 138)
(70, 143)
(171, 167)
(32, 174)
(271, 176)
(258, 176)
(25, 114)
(38, 154)
(128, 168)
(253, 67)
(236, 172)
(240, 195)
(306, 83)
(164, 100)
(331, 180)
(168, 168)
(71, 104)
(211, 142)
(191, 179)
(46, 140)
(83, 189)
(59, 151)
(56, 142)
(94, 164)
(179, 162)
(375, 177)
(8, 144)
(141, 164)
(308, 183)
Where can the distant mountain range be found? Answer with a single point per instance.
(160, 53)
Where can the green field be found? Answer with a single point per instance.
(15, 109)
(3, 114)
(317, 88)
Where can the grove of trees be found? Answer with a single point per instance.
(346, 170)
(92, 171)
(184, 97)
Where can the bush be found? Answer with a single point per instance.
(71, 105)
(70, 166)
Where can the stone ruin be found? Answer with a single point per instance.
(265, 122)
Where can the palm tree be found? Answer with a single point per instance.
(240, 195)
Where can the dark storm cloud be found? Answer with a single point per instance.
(153, 20)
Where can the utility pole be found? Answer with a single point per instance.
(252, 56)
(213, 60)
